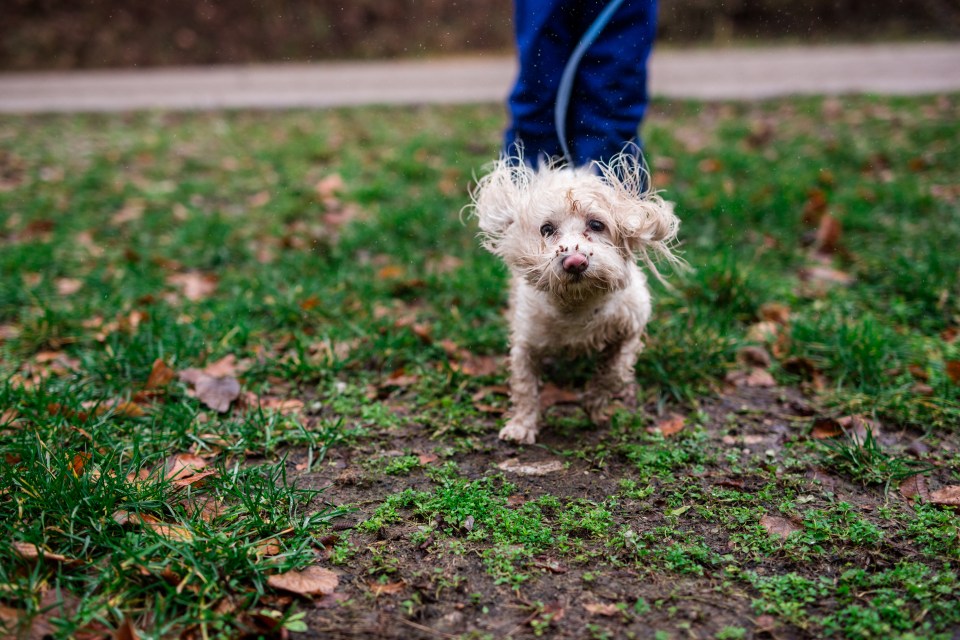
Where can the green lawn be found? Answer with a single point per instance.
(323, 261)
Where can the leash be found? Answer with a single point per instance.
(570, 71)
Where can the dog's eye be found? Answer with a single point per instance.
(596, 225)
(547, 230)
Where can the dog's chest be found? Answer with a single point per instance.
(551, 330)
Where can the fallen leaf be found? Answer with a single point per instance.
(399, 378)
(754, 377)
(312, 581)
(390, 272)
(132, 210)
(390, 588)
(269, 547)
(225, 367)
(602, 609)
(952, 368)
(825, 275)
(30, 551)
(775, 525)
(195, 286)
(147, 521)
(914, 487)
(474, 365)
(828, 235)
(765, 332)
(183, 464)
(80, 461)
(68, 286)
(160, 375)
(754, 357)
(824, 428)
(947, 496)
(126, 631)
(668, 426)
(553, 395)
(815, 207)
(541, 468)
(775, 312)
(216, 393)
(427, 458)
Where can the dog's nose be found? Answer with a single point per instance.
(575, 263)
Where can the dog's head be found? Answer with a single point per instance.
(573, 232)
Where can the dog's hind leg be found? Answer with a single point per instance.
(522, 427)
(614, 377)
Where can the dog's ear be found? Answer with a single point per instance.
(498, 198)
(646, 222)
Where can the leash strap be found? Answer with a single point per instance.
(570, 71)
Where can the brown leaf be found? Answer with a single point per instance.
(765, 332)
(390, 588)
(947, 496)
(540, 468)
(312, 581)
(428, 458)
(754, 377)
(195, 286)
(151, 523)
(68, 286)
(602, 609)
(913, 487)
(824, 428)
(553, 395)
(815, 207)
(390, 272)
(80, 461)
(183, 464)
(269, 547)
(825, 275)
(775, 312)
(160, 375)
(132, 210)
(669, 426)
(952, 368)
(400, 378)
(474, 365)
(754, 357)
(216, 393)
(126, 631)
(828, 235)
(775, 525)
(30, 551)
(225, 367)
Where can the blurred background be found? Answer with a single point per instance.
(73, 34)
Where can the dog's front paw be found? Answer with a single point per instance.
(518, 432)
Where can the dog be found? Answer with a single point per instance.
(571, 238)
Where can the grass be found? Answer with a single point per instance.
(330, 261)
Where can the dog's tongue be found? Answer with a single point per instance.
(575, 263)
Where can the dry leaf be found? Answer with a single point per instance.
(553, 395)
(30, 551)
(541, 468)
(913, 487)
(390, 272)
(68, 286)
(824, 428)
(216, 393)
(775, 525)
(474, 365)
(754, 357)
(195, 286)
(828, 235)
(952, 368)
(269, 547)
(225, 367)
(80, 461)
(754, 377)
(160, 375)
(602, 609)
(765, 332)
(312, 581)
(775, 312)
(825, 275)
(390, 588)
(947, 496)
(427, 458)
(183, 464)
(126, 631)
(668, 426)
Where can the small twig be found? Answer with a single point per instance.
(427, 629)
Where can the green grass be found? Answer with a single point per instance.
(342, 298)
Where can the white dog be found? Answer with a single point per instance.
(571, 238)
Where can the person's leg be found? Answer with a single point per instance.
(609, 96)
(546, 36)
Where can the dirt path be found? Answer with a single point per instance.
(701, 73)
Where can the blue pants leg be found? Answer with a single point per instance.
(609, 97)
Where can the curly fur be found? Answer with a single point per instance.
(595, 302)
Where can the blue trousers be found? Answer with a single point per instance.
(609, 96)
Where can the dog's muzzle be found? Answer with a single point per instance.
(575, 263)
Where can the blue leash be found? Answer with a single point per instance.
(569, 71)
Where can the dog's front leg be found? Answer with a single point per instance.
(615, 376)
(524, 397)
